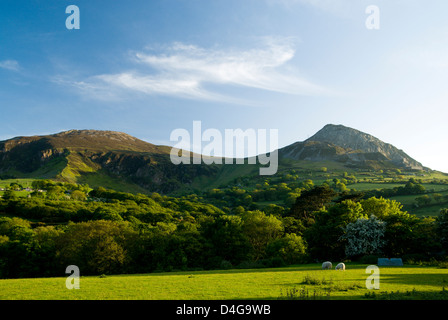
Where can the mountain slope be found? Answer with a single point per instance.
(97, 158)
(125, 163)
(353, 147)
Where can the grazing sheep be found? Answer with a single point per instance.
(327, 265)
(340, 266)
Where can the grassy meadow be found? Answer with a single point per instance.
(295, 282)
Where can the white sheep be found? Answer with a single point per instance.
(327, 265)
(340, 266)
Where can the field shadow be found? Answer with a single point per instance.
(435, 279)
(311, 267)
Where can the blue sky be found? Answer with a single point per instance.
(149, 67)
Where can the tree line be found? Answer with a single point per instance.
(110, 232)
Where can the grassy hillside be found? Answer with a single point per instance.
(118, 161)
(296, 282)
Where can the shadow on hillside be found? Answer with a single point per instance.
(435, 279)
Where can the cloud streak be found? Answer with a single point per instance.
(11, 65)
(188, 71)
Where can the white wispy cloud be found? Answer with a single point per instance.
(12, 65)
(187, 71)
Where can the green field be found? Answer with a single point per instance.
(304, 281)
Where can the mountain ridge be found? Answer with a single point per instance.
(94, 156)
(112, 157)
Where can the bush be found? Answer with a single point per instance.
(276, 262)
(225, 265)
(249, 265)
(369, 259)
(365, 236)
(414, 258)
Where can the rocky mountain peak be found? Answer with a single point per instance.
(346, 137)
(114, 135)
(341, 143)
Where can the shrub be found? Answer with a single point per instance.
(365, 236)
(369, 259)
(225, 265)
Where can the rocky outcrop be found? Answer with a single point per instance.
(353, 147)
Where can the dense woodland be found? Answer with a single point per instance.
(109, 232)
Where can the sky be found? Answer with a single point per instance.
(149, 67)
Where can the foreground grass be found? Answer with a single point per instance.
(236, 284)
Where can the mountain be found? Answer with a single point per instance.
(351, 147)
(119, 161)
(108, 158)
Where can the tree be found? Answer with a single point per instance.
(42, 184)
(273, 209)
(260, 229)
(16, 248)
(15, 186)
(324, 236)
(226, 240)
(442, 228)
(55, 193)
(107, 213)
(96, 247)
(78, 195)
(437, 197)
(311, 201)
(290, 248)
(9, 195)
(401, 232)
(382, 208)
(341, 187)
(400, 235)
(364, 236)
(423, 200)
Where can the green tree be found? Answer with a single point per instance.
(437, 197)
(401, 232)
(290, 248)
(78, 195)
(382, 208)
(55, 193)
(341, 187)
(424, 200)
(9, 195)
(225, 239)
(324, 236)
(260, 229)
(96, 247)
(442, 228)
(311, 201)
(107, 213)
(16, 253)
